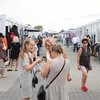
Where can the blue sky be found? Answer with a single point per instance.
(52, 14)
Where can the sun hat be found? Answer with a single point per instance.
(85, 39)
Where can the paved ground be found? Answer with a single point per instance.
(9, 87)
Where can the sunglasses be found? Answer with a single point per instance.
(85, 42)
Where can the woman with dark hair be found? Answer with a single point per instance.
(84, 62)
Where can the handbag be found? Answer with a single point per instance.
(41, 93)
(34, 80)
(5, 59)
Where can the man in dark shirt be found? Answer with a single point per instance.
(39, 45)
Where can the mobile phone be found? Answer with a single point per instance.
(44, 58)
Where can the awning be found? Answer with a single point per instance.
(69, 32)
(28, 29)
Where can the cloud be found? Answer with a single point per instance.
(52, 14)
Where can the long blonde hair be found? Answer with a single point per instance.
(24, 49)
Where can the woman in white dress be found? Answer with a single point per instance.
(58, 90)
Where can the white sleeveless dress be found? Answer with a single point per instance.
(58, 90)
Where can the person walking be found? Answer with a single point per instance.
(39, 45)
(58, 89)
(67, 41)
(84, 62)
(15, 49)
(75, 41)
(26, 65)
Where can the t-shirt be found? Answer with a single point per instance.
(1, 50)
(75, 40)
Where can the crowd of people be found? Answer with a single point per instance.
(55, 58)
(27, 58)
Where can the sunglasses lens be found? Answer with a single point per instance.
(85, 43)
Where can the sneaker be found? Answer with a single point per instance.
(9, 70)
(84, 88)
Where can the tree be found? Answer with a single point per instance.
(29, 25)
(39, 27)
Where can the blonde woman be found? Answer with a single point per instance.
(49, 42)
(15, 49)
(25, 66)
(58, 89)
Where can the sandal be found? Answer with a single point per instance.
(9, 70)
(84, 88)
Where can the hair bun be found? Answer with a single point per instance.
(57, 48)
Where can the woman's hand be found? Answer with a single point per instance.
(45, 70)
(69, 77)
(79, 67)
(38, 60)
(4, 48)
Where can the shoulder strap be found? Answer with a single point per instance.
(83, 50)
(89, 48)
(57, 74)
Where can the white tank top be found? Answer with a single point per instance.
(48, 56)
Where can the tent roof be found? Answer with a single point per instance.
(69, 32)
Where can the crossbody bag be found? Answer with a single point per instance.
(41, 93)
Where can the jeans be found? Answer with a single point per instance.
(75, 47)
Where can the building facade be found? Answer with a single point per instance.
(92, 29)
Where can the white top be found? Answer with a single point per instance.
(48, 56)
(75, 40)
(44, 41)
(58, 90)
